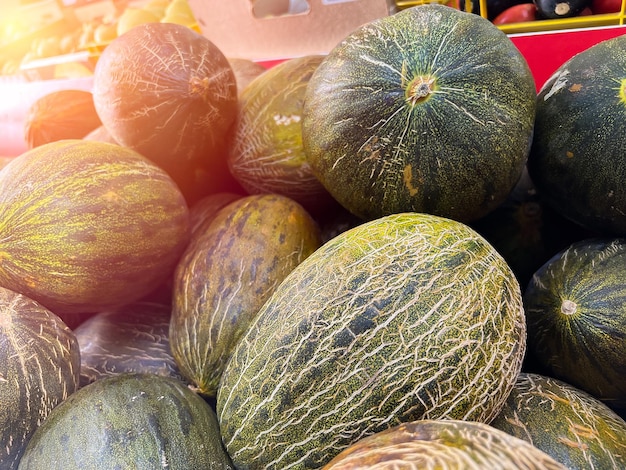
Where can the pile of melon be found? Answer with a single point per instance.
(395, 255)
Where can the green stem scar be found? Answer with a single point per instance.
(420, 89)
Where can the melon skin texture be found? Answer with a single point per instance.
(576, 316)
(570, 425)
(87, 225)
(39, 369)
(226, 274)
(410, 316)
(427, 110)
(446, 444)
(129, 421)
(577, 155)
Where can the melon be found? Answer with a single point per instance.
(58, 115)
(38, 371)
(446, 444)
(131, 338)
(227, 272)
(409, 316)
(429, 110)
(570, 425)
(266, 154)
(576, 315)
(170, 94)
(87, 225)
(129, 421)
(577, 155)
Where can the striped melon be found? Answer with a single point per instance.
(87, 225)
(39, 367)
(410, 316)
(572, 426)
(443, 444)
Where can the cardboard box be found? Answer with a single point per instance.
(232, 26)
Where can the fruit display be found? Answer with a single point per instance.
(397, 253)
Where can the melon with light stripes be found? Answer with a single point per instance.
(409, 316)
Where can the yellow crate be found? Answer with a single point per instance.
(578, 22)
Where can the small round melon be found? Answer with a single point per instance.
(576, 315)
(87, 225)
(170, 94)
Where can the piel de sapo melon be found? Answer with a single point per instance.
(410, 316)
(427, 110)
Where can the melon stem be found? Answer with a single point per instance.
(568, 307)
(420, 89)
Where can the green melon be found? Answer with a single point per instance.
(577, 156)
(39, 367)
(443, 444)
(266, 153)
(410, 316)
(129, 421)
(87, 225)
(576, 315)
(570, 425)
(428, 110)
(227, 273)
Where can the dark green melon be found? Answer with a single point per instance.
(410, 316)
(570, 425)
(87, 225)
(576, 315)
(131, 338)
(577, 156)
(129, 421)
(39, 367)
(428, 110)
(442, 444)
(226, 274)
